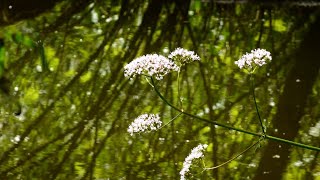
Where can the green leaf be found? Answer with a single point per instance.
(19, 38)
(44, 62)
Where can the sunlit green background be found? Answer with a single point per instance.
(65, 104)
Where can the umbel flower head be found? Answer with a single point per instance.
(150, 64)
(196, 153)
(257, 57)
(183, 56)
(145, 122)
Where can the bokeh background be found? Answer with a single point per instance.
(66, 105)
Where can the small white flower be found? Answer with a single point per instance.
(150, 64)
(196, 153)
(145, 122)
(183, 56)
(315, 131)
(257, 57)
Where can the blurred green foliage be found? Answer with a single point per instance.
(65, 69)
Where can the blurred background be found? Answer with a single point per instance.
(66, 105)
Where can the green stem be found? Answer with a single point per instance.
(241, 153)
(178, 79)
(171, 120)
(292, 143)
(255, 103)
(233, 128)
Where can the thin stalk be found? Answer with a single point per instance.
(292, 143)
(171, 120)
(233, 128)
(255, 103)
(235, 157)
(178, 81)
(197, 117)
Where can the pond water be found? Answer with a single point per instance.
(69, 94)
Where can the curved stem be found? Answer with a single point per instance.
(235, 157)
(171, 120)
(233, 128)
(255, 103)
(197, 117)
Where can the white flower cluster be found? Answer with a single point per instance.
(183, 56)
(195, 154)
(145, 122)
(315, 131)
(256, 57)
(150, 64)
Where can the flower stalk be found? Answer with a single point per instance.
(235, 157)
(265, 136)
(256, 105)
